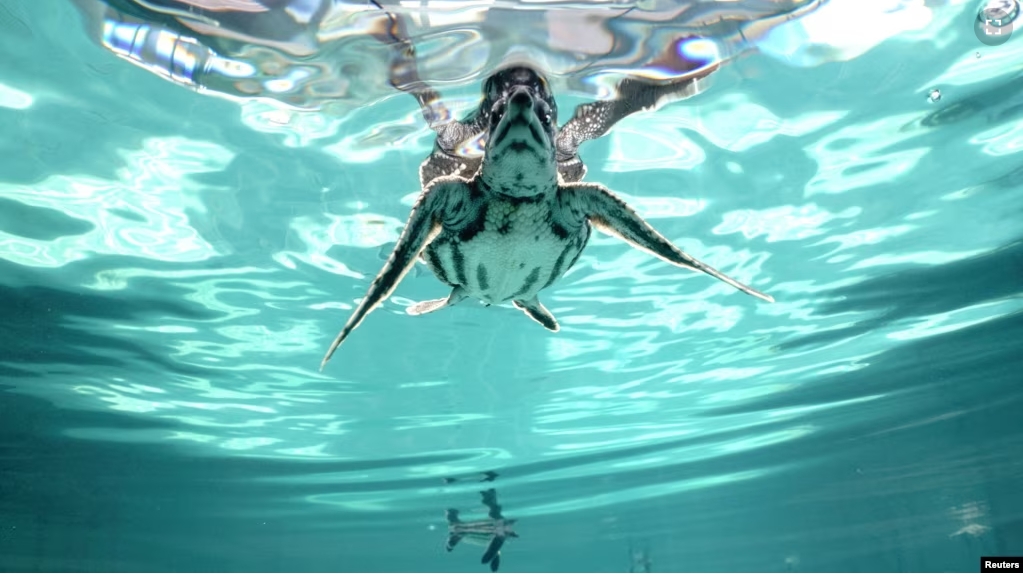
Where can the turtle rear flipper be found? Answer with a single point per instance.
(424, 307)
(490, 501)
(452, 540)
(535, 310)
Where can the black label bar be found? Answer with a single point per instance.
(1001, 564)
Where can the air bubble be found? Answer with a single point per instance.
(998, 13)
(934, 95)
(994, 23)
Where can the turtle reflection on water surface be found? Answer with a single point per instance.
(490, 532)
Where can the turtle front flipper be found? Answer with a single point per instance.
(537, 312)
(592, 120)
(424, 307)
(423, 226)
(608, 213)
(493, 550)
(452, 133)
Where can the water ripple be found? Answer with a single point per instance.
(171, 266)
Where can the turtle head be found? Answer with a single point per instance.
(519, 158)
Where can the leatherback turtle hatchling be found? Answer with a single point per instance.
(506, 226)
(490, 532)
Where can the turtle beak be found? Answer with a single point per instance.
(520, 102)
(520, 129)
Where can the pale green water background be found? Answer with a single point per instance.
(172, 269)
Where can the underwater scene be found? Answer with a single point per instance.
(509, 285)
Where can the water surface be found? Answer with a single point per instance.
(174, 262)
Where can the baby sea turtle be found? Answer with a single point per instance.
(506, 226)
(490, 532)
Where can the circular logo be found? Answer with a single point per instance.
(993, 25)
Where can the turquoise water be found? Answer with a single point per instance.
(174, 264)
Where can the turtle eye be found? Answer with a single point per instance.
(496, 112)
(543, 111)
